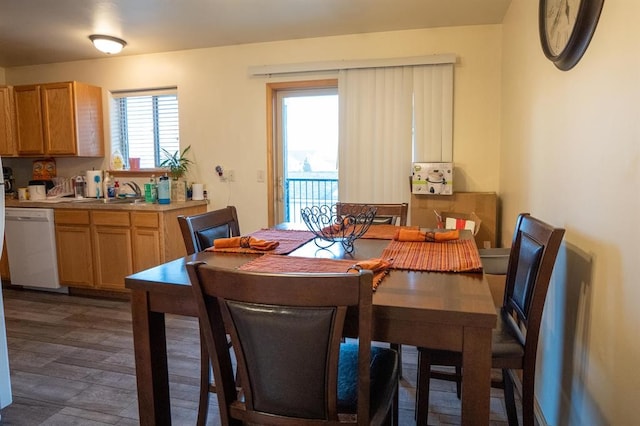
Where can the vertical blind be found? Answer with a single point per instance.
(390, 117)
(144, 124)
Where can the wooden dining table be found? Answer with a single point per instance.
(441, 310)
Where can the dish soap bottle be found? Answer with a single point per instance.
(116, 160)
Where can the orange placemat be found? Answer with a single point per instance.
(384, 232)
(291, 264)
(289, 241)
(450, 256)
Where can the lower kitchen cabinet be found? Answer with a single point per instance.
(112, 252)
(74, 248)
(98, 248)
(147, 251)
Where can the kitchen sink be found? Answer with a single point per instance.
(127, 200)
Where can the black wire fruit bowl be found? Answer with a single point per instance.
(330, 226)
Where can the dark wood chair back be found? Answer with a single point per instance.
(395, 214)
(532, 257)
(286, 332)
(199, 231)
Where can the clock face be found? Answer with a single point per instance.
(566, 28)
(560, 19)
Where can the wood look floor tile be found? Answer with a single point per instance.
(72, 363)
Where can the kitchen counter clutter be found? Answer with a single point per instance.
(101, 204)
(99, 243)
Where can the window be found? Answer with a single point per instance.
(144, 123)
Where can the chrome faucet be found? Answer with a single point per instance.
(135, 187)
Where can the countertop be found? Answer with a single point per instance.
(100, 204)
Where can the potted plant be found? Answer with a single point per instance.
(178, 165)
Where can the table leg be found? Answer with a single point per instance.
(476, 384)
(150, 348)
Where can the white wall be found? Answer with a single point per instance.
(570, 155)
(222, 108)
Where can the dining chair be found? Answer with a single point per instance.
(394, 214)
(199, 231)
(533, 253)
(286, 332)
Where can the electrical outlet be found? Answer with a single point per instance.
(231, 175)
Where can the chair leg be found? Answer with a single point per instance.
(398, 348)
(422, 391)
(205, 384)
(509, 398)
(396, 406)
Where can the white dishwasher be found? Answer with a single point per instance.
(31, 248)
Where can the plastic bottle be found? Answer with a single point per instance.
(150, 190)
(116, 189)
(109, 191)
(164, 190)
(116, 160)
(79, 187)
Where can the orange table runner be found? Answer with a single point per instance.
(450, 256)
(289, 241)
(384, 231)
(291, 264)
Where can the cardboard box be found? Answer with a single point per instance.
(483, 204)
(453, 220)
(432, 178)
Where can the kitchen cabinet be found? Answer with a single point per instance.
(147, 251)
(59, 119)
(98, 248)
(112, 248)
(74, 248)
(7, 122)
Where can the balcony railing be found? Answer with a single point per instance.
(300, 193)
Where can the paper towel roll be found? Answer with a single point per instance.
(197, 191)
(94, 183)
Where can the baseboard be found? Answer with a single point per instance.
(538, 415)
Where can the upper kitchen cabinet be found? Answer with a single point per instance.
(7, 122)
(59, 119)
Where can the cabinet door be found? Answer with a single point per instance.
(73, 246)
(112, 254)
(58, 117)
(29, 120)
(7, 122)
(147, 250)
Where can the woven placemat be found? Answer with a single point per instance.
(450, 256)
(385, 231)
(292, 264)
(289, 241)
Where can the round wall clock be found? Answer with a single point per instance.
(566, 28)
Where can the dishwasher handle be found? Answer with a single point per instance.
(26, 219)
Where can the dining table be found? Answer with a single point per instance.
(440, 310)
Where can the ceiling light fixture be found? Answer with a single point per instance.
(107, 44)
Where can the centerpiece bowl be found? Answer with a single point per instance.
(345, 226)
